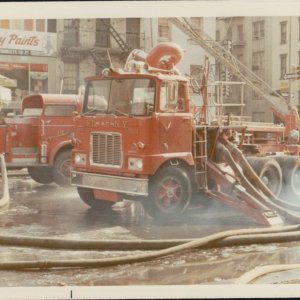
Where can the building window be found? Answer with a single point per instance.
(164, 28)
(283, 33)
(133, 33)
(258, 30)
(258, 60)
(283, 62)
(299, 29)
(102, 33)
(240, 30)
(258, 116)
(218, 36)
(17, 24)
(51, 25)
(256, 96)
(70, 78)
(40, 25)
(28, 24)
(240, 57)
(4, 24)
(229, 33)
(196, 24)
(71, 32)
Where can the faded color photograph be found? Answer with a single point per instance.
(152, 151)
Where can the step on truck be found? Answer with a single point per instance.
(139, 137)
(40, 138)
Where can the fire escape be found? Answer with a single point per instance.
(74, 47)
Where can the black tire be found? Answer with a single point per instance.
(62, 168)
(291, 176)
(170, 193)
(88, 198)
(41, 175)
(269, 171)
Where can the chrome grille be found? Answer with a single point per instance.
(106, 149)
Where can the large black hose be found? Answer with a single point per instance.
(254, 178)
(248, 172)
(147, 245)
(94, 263)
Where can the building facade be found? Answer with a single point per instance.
(54, 56)
(269, 46)
(28, 54)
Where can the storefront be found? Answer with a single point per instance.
(29, 57)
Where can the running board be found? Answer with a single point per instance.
(4, 201)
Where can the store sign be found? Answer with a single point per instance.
(28, 42)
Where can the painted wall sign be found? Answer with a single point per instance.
(30, 42)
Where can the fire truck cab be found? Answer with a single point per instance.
(39, 138)
(135, 130)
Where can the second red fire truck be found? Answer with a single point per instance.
(40, 138)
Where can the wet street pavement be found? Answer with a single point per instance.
(51, 211)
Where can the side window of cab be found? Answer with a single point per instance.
(172, 96)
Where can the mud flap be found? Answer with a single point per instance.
(4, 201)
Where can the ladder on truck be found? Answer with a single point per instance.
(236, 67)
(200, 156)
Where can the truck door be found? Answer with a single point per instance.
(56, 123)
(175, 120)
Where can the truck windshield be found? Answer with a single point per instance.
(121, 96)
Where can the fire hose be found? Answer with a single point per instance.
(272, 202)
(257, 272)
(221, 239)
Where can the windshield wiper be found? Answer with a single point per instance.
(114, 111)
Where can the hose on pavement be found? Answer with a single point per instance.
(96, 263)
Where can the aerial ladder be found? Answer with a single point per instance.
(283, 110)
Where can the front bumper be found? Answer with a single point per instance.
(132, 186)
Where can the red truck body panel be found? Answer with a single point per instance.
(46, 119)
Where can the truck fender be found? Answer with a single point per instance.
(57, 148)
(184, 160)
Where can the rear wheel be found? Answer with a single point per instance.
(269, 171)
(87, 196)
(170, 193)
(62, 168)
(41, 175)
(291, 176)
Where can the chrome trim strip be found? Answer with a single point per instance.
(132, 186)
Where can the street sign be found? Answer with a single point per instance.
(290, 76)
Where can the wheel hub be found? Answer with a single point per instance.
(168, 192)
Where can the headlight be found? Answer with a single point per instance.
(135, 163)
(80, 158)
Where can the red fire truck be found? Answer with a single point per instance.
(39, 138)
(138, 138)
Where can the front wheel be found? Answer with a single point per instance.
(87, 196)
(62, 168)
(41, 175)
(170, 192)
